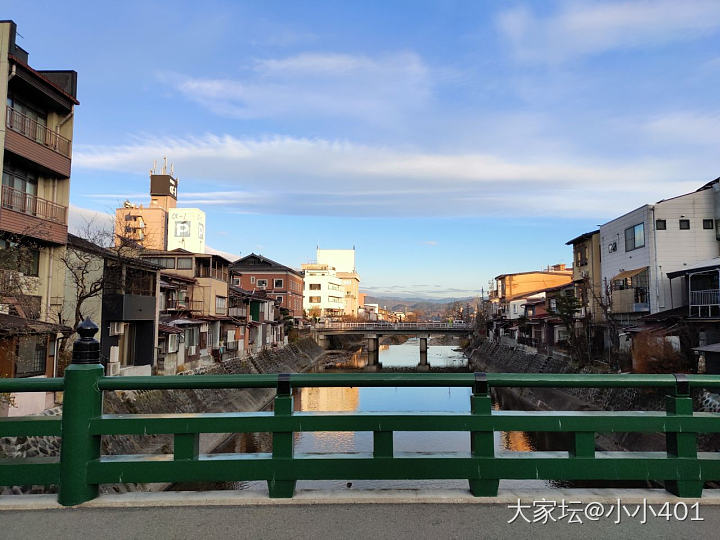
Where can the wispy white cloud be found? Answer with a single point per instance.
(318, 177)
(317, 84)
(686, 127)
(580, 28)
(430, 242)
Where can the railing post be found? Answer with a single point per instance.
(281, 486)
(82, 401)
(482, 443)
(688, 481)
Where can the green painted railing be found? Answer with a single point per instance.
(81, 467)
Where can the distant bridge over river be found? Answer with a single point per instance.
(385, 328)
(373, 330)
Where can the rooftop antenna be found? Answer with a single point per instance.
(164, 169)
(154, 166)
(172, 169)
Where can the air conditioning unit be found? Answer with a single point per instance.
(117, 328)
(191, 350)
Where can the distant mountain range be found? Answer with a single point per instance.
(429, 306)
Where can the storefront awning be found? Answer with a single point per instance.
(629, 273)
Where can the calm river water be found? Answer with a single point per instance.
(387, 400)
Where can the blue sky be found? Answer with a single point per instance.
(447, 141)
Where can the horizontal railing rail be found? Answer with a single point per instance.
(382, 325)
(82, 467)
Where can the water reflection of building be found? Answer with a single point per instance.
(327, 399)
(517, 441)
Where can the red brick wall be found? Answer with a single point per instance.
(292, 299)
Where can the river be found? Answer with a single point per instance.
(405, 355)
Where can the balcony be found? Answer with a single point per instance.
(705, 304)
(32, 216)
(34, 141)
(175, 304)
(38, 132)
(630, 300)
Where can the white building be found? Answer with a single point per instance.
(343, 261)
(324, 293)
(639, 249)
(186, 229)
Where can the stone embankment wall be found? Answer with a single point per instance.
(501, 357)
(292, 358)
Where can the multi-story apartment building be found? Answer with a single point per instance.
(641, 247)
(162, 225)
(587, 272)
(282, 283)
(324, 291)
(35, 160)
(205, 328)
(343, 261)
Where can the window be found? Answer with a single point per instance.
(162, 262)
(278, 283)
(24, 259)
(581, 255)
(173, 343)
(262, 283)
(660, 224)
(279, 299)
(315, 286)
(635, 237)
(201, 231)
(252, 279)
(220, 304)
(184, 263)
(314, 300)
(192, 336)
(182, 229)
(31, 356)
(707, 223)
(24, 189)
(684, 224)
(236, 281)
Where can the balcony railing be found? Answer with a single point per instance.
(19, 201)
(707, 297)
(38, 132)
(173, 303)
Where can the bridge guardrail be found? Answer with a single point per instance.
(383, 325)
(81, 467)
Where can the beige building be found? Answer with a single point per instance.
(343, 261)
(162, 225)
(35, 157)
(587, 271)
(148, 226)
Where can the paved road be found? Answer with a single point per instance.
(316, 520)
